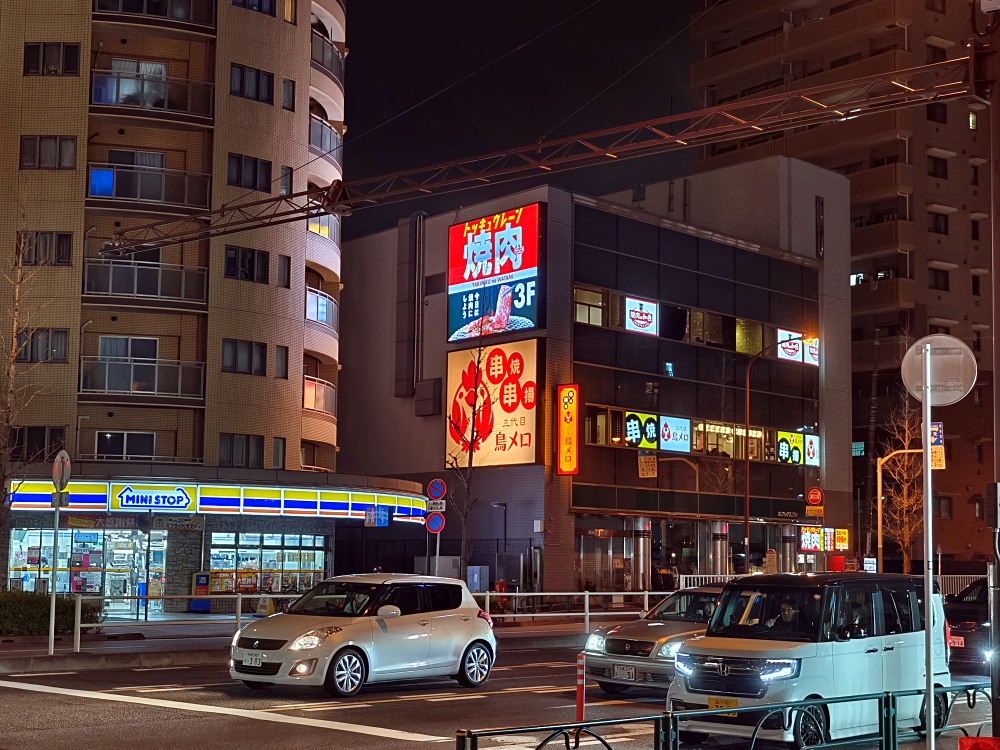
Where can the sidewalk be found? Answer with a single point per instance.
(161, 644)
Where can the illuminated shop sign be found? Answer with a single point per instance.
(492, 395)
(810, 450)
(794, 348)
(675, 434)
(790, 447)
(118, 497)
(818, 539)
(493, 264)
(810, 352)
(641, 430)
(642, 316)
(567, 430)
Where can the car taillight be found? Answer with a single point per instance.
(484, 615)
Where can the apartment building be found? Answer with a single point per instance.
(920, 213)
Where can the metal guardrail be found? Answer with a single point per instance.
(666, 726)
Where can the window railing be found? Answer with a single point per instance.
(148, 184)
(325, 225)
(322, 308)
(130, 278)
(187, 11)
(325, 137)
(326, 54)
(137, 457)
(147, 377)
(120, 89)
(319, 395)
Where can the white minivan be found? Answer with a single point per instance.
(793, 637)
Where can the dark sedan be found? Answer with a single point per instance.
(967, 613)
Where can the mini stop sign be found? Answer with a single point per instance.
(814, 496)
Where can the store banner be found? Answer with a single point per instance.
(179, 523)
(675, 434)
(567, 430)
(156, 498)
(790, 447)
(641, 430)
(642, 316)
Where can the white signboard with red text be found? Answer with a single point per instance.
(492, 404)
(493, 265)
(641, 316)
(794, 348)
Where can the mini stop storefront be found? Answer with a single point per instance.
(137, 539)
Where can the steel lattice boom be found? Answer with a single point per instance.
(798, 108)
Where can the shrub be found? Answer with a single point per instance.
(27, 613)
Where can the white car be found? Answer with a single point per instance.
(351, 630)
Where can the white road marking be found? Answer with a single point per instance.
(39, 674)
(240, 712)
(456, 698)
(156, 669)
(338, 707)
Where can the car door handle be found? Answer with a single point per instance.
(424, 623)
(466, 618)
(871, 650)
(889, 648)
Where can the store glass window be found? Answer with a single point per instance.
(248, 562)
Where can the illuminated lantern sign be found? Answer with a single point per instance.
(641, 430)
(491, 405)
(811, 450)
(567, 431)
(493, 267)
(641, 316)
(675, 434)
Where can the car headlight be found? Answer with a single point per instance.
(779, 669)
(312, 639)
(670, 649)
(683, 665)
(595, 643)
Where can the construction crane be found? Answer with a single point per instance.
(942, 81)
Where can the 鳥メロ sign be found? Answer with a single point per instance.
(493, 267)
(491, 400)
(567, 429)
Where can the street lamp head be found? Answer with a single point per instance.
(498, 505)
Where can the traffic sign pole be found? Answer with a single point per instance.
(60, 480)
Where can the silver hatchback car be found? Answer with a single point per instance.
(641, 653)
(351, 630)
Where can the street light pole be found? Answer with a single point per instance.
(878, 493)
(504, 506)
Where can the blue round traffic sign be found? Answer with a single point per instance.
(434, 522)
(436, 489)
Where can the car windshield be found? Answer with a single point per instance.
(685, 606)
(779, 613)
(337, 599)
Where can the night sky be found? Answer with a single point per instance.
(401, 55)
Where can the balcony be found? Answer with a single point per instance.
(326, 139)
(322, 308)
(882, 238)
(152, 96)
(888, 355)
(197, 15)
(150, 185)
(325, 225)
(137, 279)
(142, 377)
(326, 55)
(142, 458)
(319, 395)
(881, 183)
(883, 295)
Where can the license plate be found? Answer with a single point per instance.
(253, 659)
(957, 640)
(723, 703)
(622, 672)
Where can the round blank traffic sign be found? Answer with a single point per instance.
(434, 522)
(953, 369)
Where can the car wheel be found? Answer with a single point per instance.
(691, 738)
(476, 664)
(810, 727)
(611, 688)
(941, 714)
(346, 674)
(257, 685)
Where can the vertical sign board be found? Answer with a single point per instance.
(937, 445)
(493, 265)
(567, 430)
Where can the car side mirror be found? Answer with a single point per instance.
(388, 611)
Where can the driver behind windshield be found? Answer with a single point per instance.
(788, 617)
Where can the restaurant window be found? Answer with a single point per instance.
(589, 306)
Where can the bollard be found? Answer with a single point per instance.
(581, 683)
(586, 611)
(77, 611)
(239, 610)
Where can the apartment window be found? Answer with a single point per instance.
(935, 54)
(942, 506)
(943, 330)
(51, 59)
(973, 121)
(976, 287)
(589, 306)
(249, 172)
(937, 112)
(241, 450)
(977, 341)
(34, 444)
(279, 453)
(247, 264)
(974, 229)
(936, 5)
(285, 181)
(285, 271)
(261, 6)
(937, 167)
(288, 11)
(937, 223)
(288, 94)
(48, 152)
(975, 174)
(247, 357)
(281, 362)
(46, 248)
(937, 278)
(251, 83)
(126, 445)
(42, 345)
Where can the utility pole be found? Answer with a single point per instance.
(870, 454)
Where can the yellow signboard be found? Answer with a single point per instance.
(567, 431)
(815, 510)
(790, 447)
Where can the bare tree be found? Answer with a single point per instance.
(902, 510)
